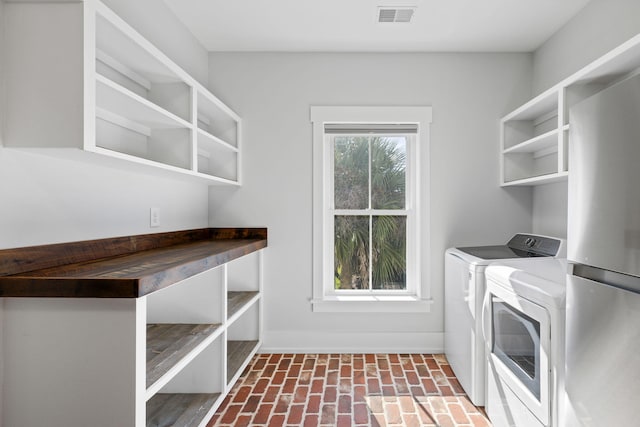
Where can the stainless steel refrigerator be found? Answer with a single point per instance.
(603, 287)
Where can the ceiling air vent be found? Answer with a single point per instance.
(395, 14)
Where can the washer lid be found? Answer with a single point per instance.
(498, 252)
(520, 246)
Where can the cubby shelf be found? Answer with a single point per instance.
(238, 355)
(541, 142)
(535, 138)
(180, 409)
(239, 302)
(538, 180)
(156, 328)
(131, 107)
(112, 95)
(170, 346)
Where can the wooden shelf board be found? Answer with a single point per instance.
(238, 352)
(184, 410)
(170, 344)
(121, 267)
(237, 301)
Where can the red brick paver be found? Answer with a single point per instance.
(348, 390)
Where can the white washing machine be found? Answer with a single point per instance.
(524, 327)
(464, 292)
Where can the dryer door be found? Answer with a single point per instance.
(519, 341)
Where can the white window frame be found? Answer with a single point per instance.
(416, 298)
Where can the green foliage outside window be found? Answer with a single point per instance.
(370, 172)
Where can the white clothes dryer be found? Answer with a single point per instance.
(524, 327)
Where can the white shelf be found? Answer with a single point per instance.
(217, 160)
(216, 180)
(541, 142)
(531, 142)
(529, 138)
(538, 180)
(538, 106)
(207, 137)
(216, 119)
(112, 90)
(138, 160)
(114, 98)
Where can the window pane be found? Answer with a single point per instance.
(351, 259)
(351, 172)
(388, 167)
(389, 252)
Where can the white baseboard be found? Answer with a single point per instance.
(352, 342)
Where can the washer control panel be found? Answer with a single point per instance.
(535, 245)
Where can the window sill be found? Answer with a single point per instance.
(371, 304)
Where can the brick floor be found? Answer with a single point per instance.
(348, 390)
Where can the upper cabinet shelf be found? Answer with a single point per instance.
(546, 141)
(113, 93)
(532, 142)
(535, 137)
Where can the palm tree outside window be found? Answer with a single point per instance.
(370, 215)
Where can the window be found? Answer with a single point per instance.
(368, 211)
(367, 228)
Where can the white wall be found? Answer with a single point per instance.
(273, 92)
(550, 210)
(599, 27)
(47, 199)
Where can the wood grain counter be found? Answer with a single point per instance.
(122, 267)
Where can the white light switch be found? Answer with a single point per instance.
(154, 217)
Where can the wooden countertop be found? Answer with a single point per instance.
(122, 267)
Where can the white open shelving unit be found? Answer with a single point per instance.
(535, 137)
(201, 334)
(111, 93)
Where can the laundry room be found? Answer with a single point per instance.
(391, 213)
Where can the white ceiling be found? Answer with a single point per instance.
(350, 25)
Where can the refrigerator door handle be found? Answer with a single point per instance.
(606, 277)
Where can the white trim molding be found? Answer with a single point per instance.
(313, 342)
(372, 304)
(417, 297)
